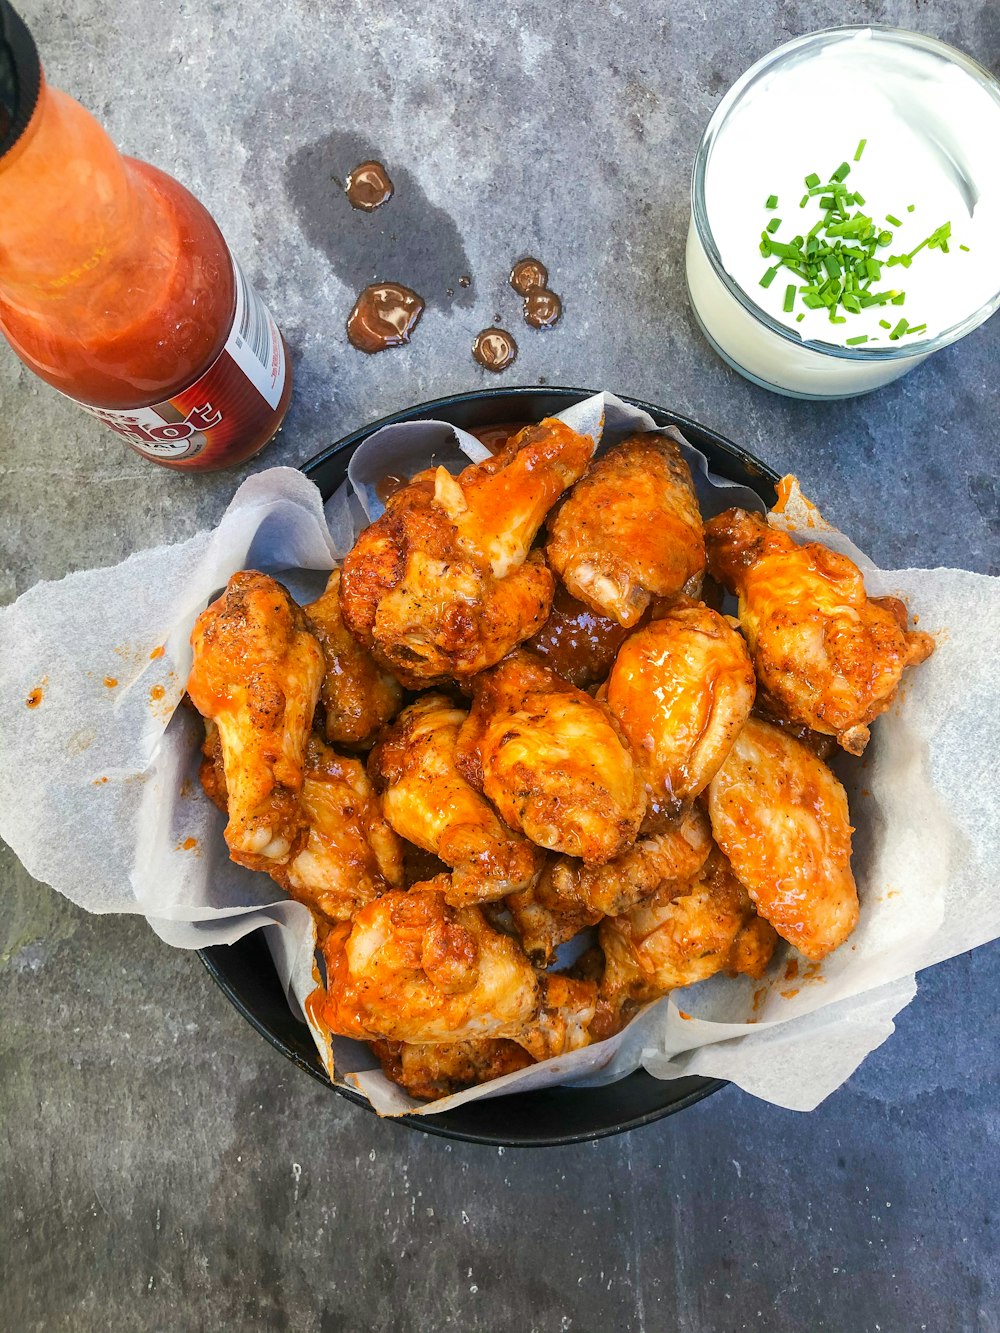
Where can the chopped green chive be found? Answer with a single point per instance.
(965, 248)
(916, 328)
(835, 262)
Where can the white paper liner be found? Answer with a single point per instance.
(99, 794)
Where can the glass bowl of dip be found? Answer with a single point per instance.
(929, 117)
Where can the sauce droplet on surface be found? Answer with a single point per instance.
(157, 693)
(465, 280)
(368, 186)
(34, 698)
(156, 653)
(542, 308)
(110, 682)
(389, 485)
(494, 349)
(189, 844)
(384, 315)
(527, 274)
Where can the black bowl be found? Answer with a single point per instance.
(244, 970)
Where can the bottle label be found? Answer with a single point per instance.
(228, 405)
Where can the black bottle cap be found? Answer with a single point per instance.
(20, 76)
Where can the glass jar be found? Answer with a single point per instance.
(896, 68)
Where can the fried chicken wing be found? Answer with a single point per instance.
(681, 690)
(432, 1071)
(358, 696)
(428, 801)
(577, 641)
(256, 674)
(351, 855)
(545, 919)
(675, 853)
(568, 896)
(687, 931)
(410, 968)
(781, 817)
(552, 761)
(442, 585)
(630, 530)
(826, 654)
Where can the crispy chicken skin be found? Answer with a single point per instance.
(577, 641)
(410, 968)
(431, 1071)
(358, 697)
(552, 761)
(675, 853)
(427, 801)
(681, 690)
(348, 854)
(781, 818)
(442, 585)
(630, 530)
(351, 855)
(544, 919)
(687, 931)
(256, 674)
(752, 949)
(568, 896)
(826, 655)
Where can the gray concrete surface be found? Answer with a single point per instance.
(160, 1166)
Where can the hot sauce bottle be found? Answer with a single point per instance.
(117, 287)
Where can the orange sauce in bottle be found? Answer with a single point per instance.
(117, 288)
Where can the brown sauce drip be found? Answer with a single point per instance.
(389, 485)
(542, 308)
(368, 187)
(465, 280)
(384, 315)
(495, 437)
(577, 642)
(494, 349)
(527, 274)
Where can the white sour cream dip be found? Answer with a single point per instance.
(931, 121)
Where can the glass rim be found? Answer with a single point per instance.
(699, 211)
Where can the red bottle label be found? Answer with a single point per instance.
(214, 417)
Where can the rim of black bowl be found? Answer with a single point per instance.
(244, 972)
